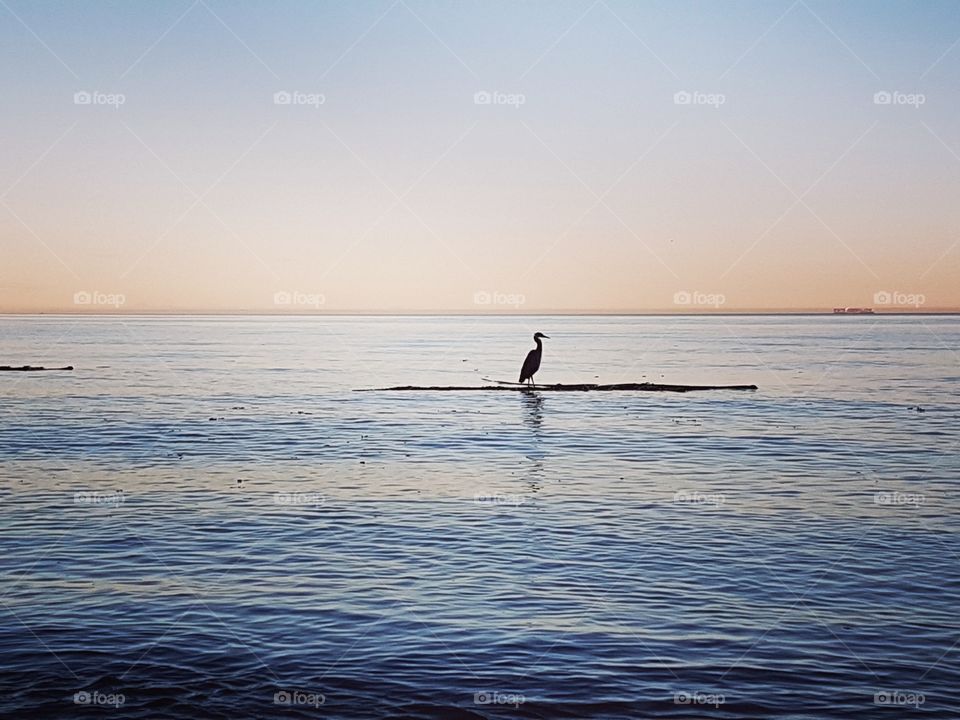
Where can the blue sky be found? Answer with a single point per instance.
(586, 184)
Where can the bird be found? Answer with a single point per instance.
(532, 363)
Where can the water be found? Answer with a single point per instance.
(204, 520)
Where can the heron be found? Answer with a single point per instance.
(532, 363)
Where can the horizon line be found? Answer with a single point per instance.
(473, 313)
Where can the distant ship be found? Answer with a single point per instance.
(852, 311)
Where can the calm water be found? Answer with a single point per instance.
(204, 520)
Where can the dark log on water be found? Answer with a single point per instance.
(630, 387)
(30, 368)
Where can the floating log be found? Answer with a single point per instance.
(30, 368)
(630, 387)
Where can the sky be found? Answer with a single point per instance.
(479, 156)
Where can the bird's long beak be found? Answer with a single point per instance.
(546, 336)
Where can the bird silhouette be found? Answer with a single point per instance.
(532, 363)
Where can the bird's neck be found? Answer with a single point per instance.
(539, 344)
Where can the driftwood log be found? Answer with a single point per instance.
(30, 368)
(634, 387)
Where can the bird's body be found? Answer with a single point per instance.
(532, 362)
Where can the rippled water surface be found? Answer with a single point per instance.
(204, 519)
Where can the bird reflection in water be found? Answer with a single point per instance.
(533, 404)
(533, 418)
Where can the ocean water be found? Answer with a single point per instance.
(204, 519)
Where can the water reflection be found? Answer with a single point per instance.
(534, 474)
(533, 418)
(533, 407)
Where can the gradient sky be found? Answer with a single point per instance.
(399, 192)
